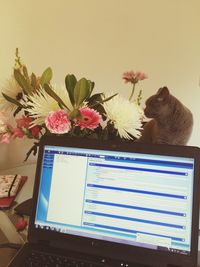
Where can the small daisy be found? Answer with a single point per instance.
(13, 90)
(41, 104)
(125, 116)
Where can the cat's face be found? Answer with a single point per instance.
(156, 105)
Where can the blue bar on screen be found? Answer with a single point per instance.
(137, 169)
(134, 219)
(129, 231)
(136, 191)
(135, 207)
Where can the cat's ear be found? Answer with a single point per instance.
(163, 94)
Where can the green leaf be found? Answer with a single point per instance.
(95, 102)
(81, 91)
(70, 83)
(91, 87)
(92, 84)
(103, 100)
(49, 91)
(109, 98)
(95, 99)
(25, 72)
(75, 114)
(18, 109)
(26, 76)
(22, 81)
(12, 100)
(46, 76)
(33, 81)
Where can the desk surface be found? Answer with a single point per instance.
(7, 229)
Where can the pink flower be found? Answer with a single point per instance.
(5, 129)
(24, 122)
(21, 224)
(90, 118)
(17, 132)
(35, 131)
(5, 138)
(58, 122)
(134, 77)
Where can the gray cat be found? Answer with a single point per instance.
(171, 122)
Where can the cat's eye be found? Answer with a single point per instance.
(160, 99)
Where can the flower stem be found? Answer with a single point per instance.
(139, 98)
(132, 93)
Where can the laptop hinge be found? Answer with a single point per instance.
(173, 265)
(43, 242)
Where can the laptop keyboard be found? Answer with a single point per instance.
(41, 259)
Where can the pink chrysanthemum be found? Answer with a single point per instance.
(134, 76)
(90, 118)
(58, 122)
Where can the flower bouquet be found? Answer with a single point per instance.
(40, 107)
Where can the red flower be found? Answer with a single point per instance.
(90, 118)
(21, 224)
(24, 122)
(35, 131)
(17, 132)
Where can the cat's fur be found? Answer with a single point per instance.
(171, 122)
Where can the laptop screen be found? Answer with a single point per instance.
(144, 200)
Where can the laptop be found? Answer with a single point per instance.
(107, 203)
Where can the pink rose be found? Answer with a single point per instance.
(90, 118)
(58, 122)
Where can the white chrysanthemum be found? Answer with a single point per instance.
(125, 116)
(42, 103)
(12, 89)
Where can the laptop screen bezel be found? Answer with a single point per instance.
(116, 250)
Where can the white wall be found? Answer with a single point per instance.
(100, 39)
